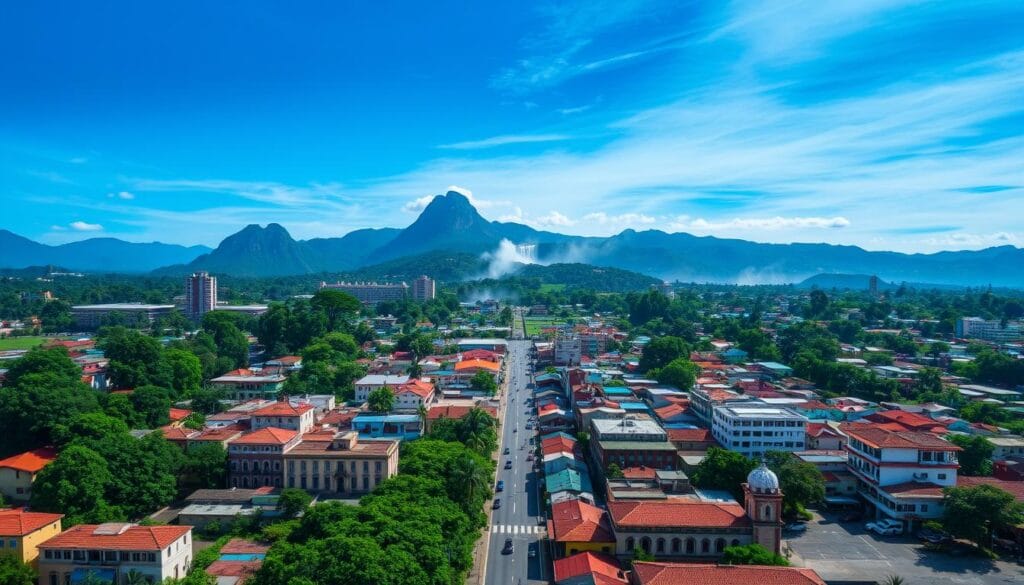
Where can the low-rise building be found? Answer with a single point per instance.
(17, 472)
(245, 384)
(343, 465)
(284, 415)
(256, 459)
(111, 551)
(367, 384)
(93, 316)
(754, 429)
(576, 526)
(655, 573)
(21, 532)
(631, 442)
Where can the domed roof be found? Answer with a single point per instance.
(763, 480)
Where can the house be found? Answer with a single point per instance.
(245, 384)
(569, 484)
(239, 559)
(691, 439)
(654, 573)
(112, 550)
(455, 412)
(343, 465)
(367, 384)
(576, 526)
(588, 568)
(21, 532)
(821, 436)
(901, 473)
(256, 459)
(284, 415)
(17, 472)
(413, 394)
(1002, 447)
(222, 506)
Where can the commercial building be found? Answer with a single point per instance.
(244, 384)
(22, 532)
(110, 551)
(631, 442)
(343, 465)
(256, 459)
(424, 289)
(754, 429)
(371, 293)
(200, 295)
(568, 350)
(978, 328)
(93, 316)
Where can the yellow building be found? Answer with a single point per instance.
(17, 472)
(576, 527)
(22, 532)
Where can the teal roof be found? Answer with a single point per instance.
(568, 480)
(617, 391)
(557, 434)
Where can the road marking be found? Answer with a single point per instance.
(524, 529)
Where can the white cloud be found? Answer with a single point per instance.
(554, 219)
(81, 226)
(624, 220)
(58, 228)
(121, 195)
(505, 140)
(420, 203)
(767, 223)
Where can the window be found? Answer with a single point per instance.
(691, 546)
(630, 544)
(720, 545)
(660, 546)
(53, 579)
(942, 476)
(705, 546)
(677, 545)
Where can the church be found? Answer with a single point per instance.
(699, 529)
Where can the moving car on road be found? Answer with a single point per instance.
(501, 486)
(508, 464)
(509, 547)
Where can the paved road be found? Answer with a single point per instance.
(518, 518)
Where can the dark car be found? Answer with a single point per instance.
(934, 536)
(508, 464)
(506, 450)
(497, 503)
(509, 547)
(500, 486)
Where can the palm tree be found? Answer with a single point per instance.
(381, 400)
(133, 577)
(477, 430)
(893, 580)
(421, 411)
(472, 478)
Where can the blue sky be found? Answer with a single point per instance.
(888, 125)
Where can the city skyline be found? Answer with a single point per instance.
(886, 125)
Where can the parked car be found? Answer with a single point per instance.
(530, 457)
(933, 536)
(509, 547)
(496, 504)
(508, 464)
(501, 486)
(795, 527)
(885, 527)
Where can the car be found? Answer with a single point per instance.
(509, 547)
(506, 451)
(885, 527)
(500, 486)
(515, 430)
(795, 527)
(933, 536)
(496, 504)
(508, 464)
(530, 457)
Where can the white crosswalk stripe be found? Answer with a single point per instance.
(517, 529)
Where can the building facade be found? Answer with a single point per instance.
(424, 289)
(344, 465)
(111, 551)
(200, 295)
(93, 316)
(754, 430)
(371, 293)
(256, 459)
(17, 472)
(978, 328)
(22, 532)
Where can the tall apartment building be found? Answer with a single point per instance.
(978, 328)
(754, 429)
(424, 289)
(200, 295)
(371, 293)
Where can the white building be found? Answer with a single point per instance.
(902, 473)
(112, 550)
(754, 429)
(371, 382)
(1006, 446)
(978, 328)
(200, 295)
(568, 350)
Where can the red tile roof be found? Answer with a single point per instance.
(283, 408)
(220, 434)
(178, 433)
(134, 537)
(886, 439)
(30, 461)
(557, 445)
(690, 435)
(420, 388)
(18, 522)
(266, 436)
(650, 573)
(287, 360)
(1014, 487)
(456, 411)
(177, 414)
(910, 421)
(480, 354)
(641, 472)
(242, 546)
(679, 513)
(220, 568)
(578, 521)
(597, 565)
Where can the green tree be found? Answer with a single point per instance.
(15, 572)
(336, 306)
(723, 470)
(153, 405)
(484, 381)
(613, 471)
(75, 485)
(205, 467)
(976, 457)
(801, 483)
(680, 372)
(186, 370)
(752, 554)
(661, 351)
(974, 512)
(381, 400)
(819, 305)
(293, 501)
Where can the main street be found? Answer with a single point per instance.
(521, 512)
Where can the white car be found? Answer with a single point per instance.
(885, 527)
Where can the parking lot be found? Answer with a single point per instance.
(847, 552)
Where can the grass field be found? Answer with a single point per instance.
(7, 343)
(550, 287)
(535, 324)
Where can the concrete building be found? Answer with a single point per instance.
(1003, 447)
(112, 550)
(902, 474)
(93, 316)
(244, 384)
(978, 328)
(424, 289)
(631, 442)
(754, 429)
(568, 350)
(369, 383)
(344, 465)
(200, 295)
(371, 293)
(256, 459)
(22, 532)
(284, 415)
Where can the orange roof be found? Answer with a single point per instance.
(220, 434)
(134, 537)
(420, 388)
(287, 360)
(456, 411)
(18, 522)
(266, 436)
(642, 472)
(177, 414)
(689, 435)
(886, 439)
(283, 408)
(30, 461)
(477, 363)
(221, 568)
(650, 573)
(911, 421)
(601, 567)
(678, 513)
(578, 521)
(670, 411)
(557, 445)
(242, 546)
(177, 433)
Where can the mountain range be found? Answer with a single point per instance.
(451, 226)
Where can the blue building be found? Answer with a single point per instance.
(388, 426)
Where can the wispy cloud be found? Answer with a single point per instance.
(81, 226)
(504, 140)
(261, 191)
(121, 195)
(420, 203)
(755, 223)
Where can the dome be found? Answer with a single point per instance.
(763, 480)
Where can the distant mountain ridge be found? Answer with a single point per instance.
(93, 254)
(451, 225)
